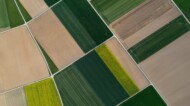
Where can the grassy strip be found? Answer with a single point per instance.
(75, 90)
(89, 74)
(82, 22)
(42, 93)
(50, 2)
(4, 19)
(52, 66)
(25, 14)
(117, 70)
(184, 6)
(111, 10)
(15, 18)
(147, 97)
(159, 39)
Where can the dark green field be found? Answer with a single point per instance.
(184, 6)
(89, 82)
(111, 10)
(50, 2)
(159, 39)
(4, 19)
(25, 14)
(147, 97)
(82, 22)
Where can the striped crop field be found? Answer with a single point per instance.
(184, 6)
(117, 70)
(159, 39)
(147, 97)
(42, 93)
(89, 82)
(111, 10)
(81, 21)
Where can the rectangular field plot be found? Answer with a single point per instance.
(42, 93)
(89, 82)
(159, 39)
(20, 59)
(111, 10)
(184, 6)
(58, 46)
(147, 97)
(169, 71)
(82, 22)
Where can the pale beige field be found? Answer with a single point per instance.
(55, 39)
(2, 100)
(20, 59)
(127, 63)
(34, 7)
(143, 21)
(169, 70)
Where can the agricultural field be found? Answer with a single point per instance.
(147, 97)
(111, 10)
(42, 93)
(122, 66)
(4, 19)
(143, 21)
(159, 39)
(184, 6)
(20, 58)
(13, 98)
(168, 69)
(79, 18)
(89, 82)
(55, 40)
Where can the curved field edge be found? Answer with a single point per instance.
(117, 69)
(42, 93)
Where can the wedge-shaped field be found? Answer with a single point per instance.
(159, 39)
(89, 82)
(42, 93)
(169, 71)
(184, 6)
(147, 97)
(117, 70)
(111, 10)
(21, 61)
(82, 22)
(56, 41)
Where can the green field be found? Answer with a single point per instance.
(147, 97)
(184, 6)
(82, 22)
(50, 2)
(111, 10)
(42, 93)
(4, 19)
(89, 82)
(159, 39)
(117, 70)
(25, 14)
(15, 18)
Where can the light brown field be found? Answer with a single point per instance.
(169, 68)
(55, 39)
(20, 59)
(127, 63)
(34, 7)
(143, 21)
(2, 100)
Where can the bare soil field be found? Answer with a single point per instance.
(55, 39)
(152, 13)
(127, 63)
(20, 59)
(2, 100)
(169, 68)
(34, 7)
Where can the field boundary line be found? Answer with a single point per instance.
(180, 11)
(139, 67)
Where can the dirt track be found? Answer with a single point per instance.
(20, 59)
(55, 39)
(169, 68)
(127, 63)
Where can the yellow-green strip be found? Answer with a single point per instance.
(117, 70)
